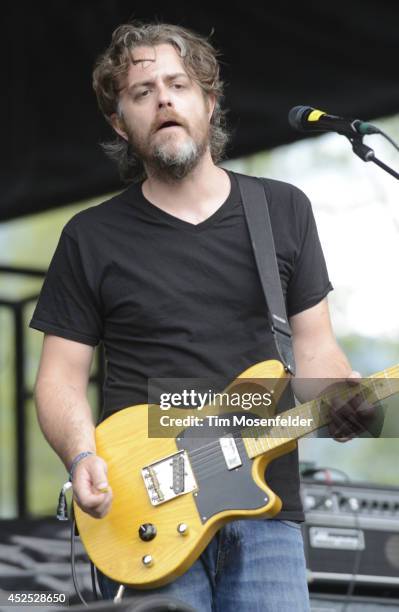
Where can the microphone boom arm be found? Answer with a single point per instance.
(367, 154)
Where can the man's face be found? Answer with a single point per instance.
(165, 115)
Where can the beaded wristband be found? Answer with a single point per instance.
(77, 460)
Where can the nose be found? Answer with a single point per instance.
(164, 98)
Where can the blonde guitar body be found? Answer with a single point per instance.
(182, 529)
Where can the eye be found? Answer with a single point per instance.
(142, 94)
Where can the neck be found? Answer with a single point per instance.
(193, 198)
(317, 412)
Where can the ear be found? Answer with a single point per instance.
(117, 123)
(211, 101)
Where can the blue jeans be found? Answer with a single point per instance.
(249, 566)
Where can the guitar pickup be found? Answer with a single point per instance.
(230, 452)
(168, 478)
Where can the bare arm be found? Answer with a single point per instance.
(62, 407)
(316, 351)
(319, 360)
(65, 417)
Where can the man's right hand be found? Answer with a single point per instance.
(89, 479)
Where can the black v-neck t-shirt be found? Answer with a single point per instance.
(170, 299)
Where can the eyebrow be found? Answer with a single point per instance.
(169, 77)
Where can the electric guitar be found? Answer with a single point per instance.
(172, 494)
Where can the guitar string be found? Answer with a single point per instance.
(203, 475)
(206, 462)
(203, 451)
(306, 406)
(200, 455)
(257, 438)
(203, 456)
(262, 434)
(214, 456)
(199, 452)
(212, 448)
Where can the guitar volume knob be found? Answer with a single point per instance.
(147, 560)
(147, 532)
(182, 528)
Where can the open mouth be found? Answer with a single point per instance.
(168, 124)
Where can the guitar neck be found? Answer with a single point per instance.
(315, 414)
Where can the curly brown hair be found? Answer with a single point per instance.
(200, 61)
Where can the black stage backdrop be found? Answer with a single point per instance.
(338, 56)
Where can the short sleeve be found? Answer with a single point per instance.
(67, 304)
(309, 282)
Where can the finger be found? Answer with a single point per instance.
(346, 427)
(98, 475)
(103, 507)
(87, 496)
(91, 487)
(96, 513)
(344, 439)
(354, 377)
(98, 499)
(358, 411)
(365, 411)
(90, 500)
(347, 407)
(346, 395)
(345, 422)
(95, 505)
(341, 431)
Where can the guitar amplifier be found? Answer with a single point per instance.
(351, 532)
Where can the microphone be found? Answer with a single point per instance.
(308, 119)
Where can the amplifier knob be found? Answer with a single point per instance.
(354, 504)
(310, 502)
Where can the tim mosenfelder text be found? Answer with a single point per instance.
(235, 420)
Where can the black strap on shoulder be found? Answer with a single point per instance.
(260, 230)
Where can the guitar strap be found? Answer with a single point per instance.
(260, 230)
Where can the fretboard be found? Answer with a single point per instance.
(315, 414)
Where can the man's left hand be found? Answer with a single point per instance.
(349, 418)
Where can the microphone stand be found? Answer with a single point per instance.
(367, 154)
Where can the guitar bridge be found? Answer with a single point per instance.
(168, 478)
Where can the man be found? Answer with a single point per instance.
(164, 275)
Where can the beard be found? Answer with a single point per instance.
(177, 164)
(169, 160)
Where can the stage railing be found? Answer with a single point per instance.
(22, 392)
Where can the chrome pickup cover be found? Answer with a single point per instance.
(230, 452)
(168, 478)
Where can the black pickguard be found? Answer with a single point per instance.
(218, 487)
